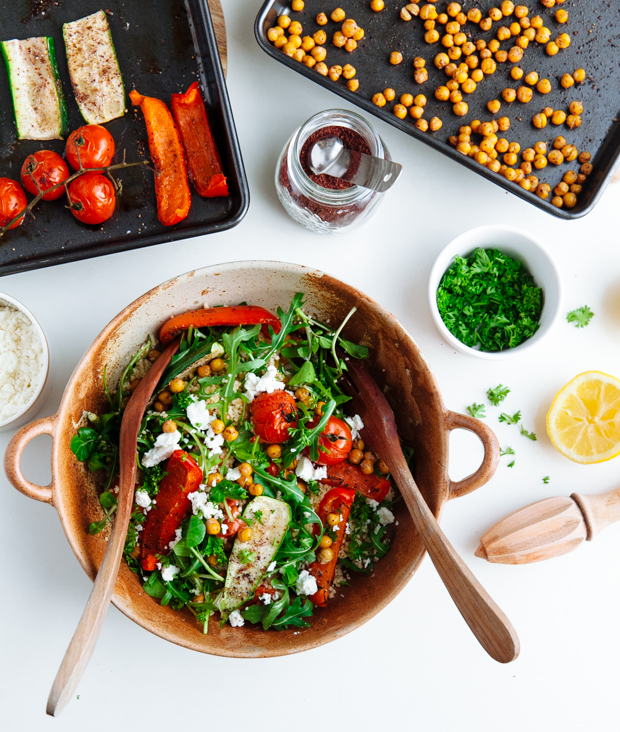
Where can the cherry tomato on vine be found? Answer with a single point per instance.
(96, 147)
(273, 415)
(12, 201)
(92, 198)
(44, 169)
(335, 442)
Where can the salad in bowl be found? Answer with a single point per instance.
(256, 497)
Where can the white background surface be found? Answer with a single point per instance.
(416, 664)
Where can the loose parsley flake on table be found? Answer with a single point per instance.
(503, 417)
(506, 451)
(497, 395)
(546, 479)
(489, 301)
(529, 435)
(580, 317)
(477, 410)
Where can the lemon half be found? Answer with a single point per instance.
(584, 420)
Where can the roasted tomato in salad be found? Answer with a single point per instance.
(250, 503)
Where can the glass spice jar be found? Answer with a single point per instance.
(324, 204)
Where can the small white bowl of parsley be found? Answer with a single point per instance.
(494, 292)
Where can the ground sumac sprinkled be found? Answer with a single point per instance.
(351, 139)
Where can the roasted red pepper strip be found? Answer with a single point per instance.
(337, 500)
(174, 197)
(234, 315)
(203, 159)
(346, 475)
(184, 476)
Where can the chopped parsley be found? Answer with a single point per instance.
(477, 410)
(546, 479)
(512, 464)
(506, 451)
(497, 395)
(489, 301)
(503, 417)
(580, 317)
(529, 435)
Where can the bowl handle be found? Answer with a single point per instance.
(13, 456)
(490, 460)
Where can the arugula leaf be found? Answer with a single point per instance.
(196, 531)
(503, 417)
(529, 435)
(293, 616)
(154, 586)
(497, 395)
(546, 479)
(226, 489)
(305, 375)
(477, 410)
(506, 451)
(580, 317)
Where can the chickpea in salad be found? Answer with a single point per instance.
(256, 496)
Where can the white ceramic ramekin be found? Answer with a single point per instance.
(517, 245)
(32, 407)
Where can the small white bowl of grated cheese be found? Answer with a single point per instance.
(24, 364)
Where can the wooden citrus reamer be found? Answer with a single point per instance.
(549, 528)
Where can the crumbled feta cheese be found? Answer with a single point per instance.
(356, 424)
(372, 503)
(269, 382)
(236, 619)
(385, 516)
(199, 415)
(143, 499)
(177, 538)
(271, 567)
(213, 442)
(306, 583)
(233, 474)
(164, 446)
(306, 470)
(224, 528)
(265, 598)
(169, 573)
(347, 530)
(201, 504)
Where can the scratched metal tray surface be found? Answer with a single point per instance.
(162, 48)
(595, 32)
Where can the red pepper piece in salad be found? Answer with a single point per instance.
(335, 442)
(174, 197)
(183, 476)
(203, 158)
(346, 475)
(338, 501)
(273, 415)
(232, 527)
(232, 315)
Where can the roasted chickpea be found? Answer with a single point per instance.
(555, 157)
(540, 120)
(245, 534)
(256, 489)
(570, 177)
(515, 29)
(570, 153)
(284, 21)
(297, 5)
(428, 12)
(367, 467)
(325, 542)
(503, 124)
(218, 364)
(400, 111)
(516, 73)
(349, 27)
(570, 199)
(567, 81)
(494, 165)
(213, 526)
(356, 456)
(521, 11)
(353, 85)
(477, 75)
(350, 45)
(537, 21)
(494, 106)
(318, 53)
(543, 190)
(502, 145)
(510, 158)
(540, 162)
(176, 386)
(522, 41)
(335, 72)
(326, 555)
(515, 55)
(548, 111)
(585, 157)
(509, 95)
(563, 41)
(158, 407)
(503, 33)
(474, 15)
(321, 68)
(274, 451)
(510, 174)
(557, 201)
(321, 19)
(501, 57)
(348, 71)
(295, 28)
(524, 94)
(442, 93)
(338, 15)
(339, 40)
(543, 86)
(460, 109)
(441, 60)
(435, 124)
(540, 148)
(558, 117)
(576, 107)
(576, 188)
(469, 86)
(463, 147)
(488, 66)
(359, 34)
(230, 433)
(431, 36)
(531, 78)
(274, 33)
(495, 14)
(586, 168)
(376, 5)
(573, 121)
(579, 75)
(420, 76)
(396, 57)
(552, 48)
(389, 94)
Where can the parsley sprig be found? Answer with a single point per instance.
(580, 317)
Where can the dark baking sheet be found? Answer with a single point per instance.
(157, 56)
(595, 33)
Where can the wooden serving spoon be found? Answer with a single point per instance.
(487, 622)
(549, 528)
(87, 632)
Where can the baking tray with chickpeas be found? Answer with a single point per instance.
(521, 93)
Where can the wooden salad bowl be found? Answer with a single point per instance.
(395, 362)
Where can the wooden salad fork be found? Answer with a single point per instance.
(89, 628)
(487, 622)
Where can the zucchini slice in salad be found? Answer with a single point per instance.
(38, 101)
(249, 560)
(93, 68)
